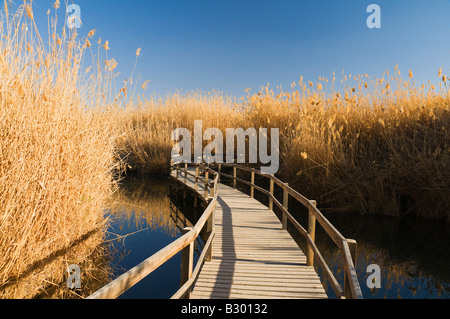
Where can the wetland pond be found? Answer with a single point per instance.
(413, 256)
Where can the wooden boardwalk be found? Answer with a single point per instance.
(248, 253)
(252, 256)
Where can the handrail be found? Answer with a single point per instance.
(188, 285)
(184, 244)
(347, 246)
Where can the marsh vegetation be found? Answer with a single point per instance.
(378, 146)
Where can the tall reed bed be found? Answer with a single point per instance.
(146, 126)
(378, 146)
(57, 155)
(362, 144)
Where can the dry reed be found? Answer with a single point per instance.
(376, 146)
(56, 153)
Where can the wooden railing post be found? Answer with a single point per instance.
(206, 183)
(285, 205)
(196, 178)
(352, 247)
(209, 228)
(212, 190)
(312, 234)
(187, 262)
(234, 176)
(252, 180)
(271, 193)
(185, 173)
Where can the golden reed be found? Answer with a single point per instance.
(362, 144)
(57, 155)
(373, 146)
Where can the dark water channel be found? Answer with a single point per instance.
(145, 219)
(413, 255)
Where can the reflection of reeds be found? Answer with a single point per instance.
(146, 200)
(47, 278)
(413, 256)
(399, 278)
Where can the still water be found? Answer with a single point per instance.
(414, 256)
(145, 219)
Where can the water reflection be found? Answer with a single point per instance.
(145, 219)
(46, 279)
(142, 220)
(413, 255)
(143, 203)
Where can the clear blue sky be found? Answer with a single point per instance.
(231, 45)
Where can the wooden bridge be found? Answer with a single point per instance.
(249, 253)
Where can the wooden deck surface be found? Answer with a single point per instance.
(253, 257)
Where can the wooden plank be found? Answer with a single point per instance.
(248, 282)
(305, 293)
(241, 253)
(260, 257)
(258, 265)
(261, 252)
(263, 277)
(210, 295)
(253, 294)
(256, 247)
(268, 277)
(260, 268)
(261, 280)
(261, 288)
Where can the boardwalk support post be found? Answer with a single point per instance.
(187, 262)
(252, 188)
(352, 247)
(234, 176)
(311, 233)
(211, 191)
(185, 181)
(285, 205)
(196, 178)
(206, 183)
(209, 229)
(271, 194)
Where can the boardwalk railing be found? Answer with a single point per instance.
(184, 244)
(346, 246)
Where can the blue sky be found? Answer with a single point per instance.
(231, 45)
